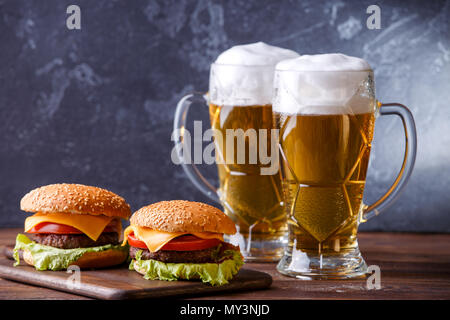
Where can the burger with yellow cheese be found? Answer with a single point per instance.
(171, 240)
(73, 225)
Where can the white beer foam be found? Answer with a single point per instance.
(323, 84)
(324, 62)
(243, 75)
(255, 54)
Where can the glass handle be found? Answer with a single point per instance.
(408, 162)
(181, 144)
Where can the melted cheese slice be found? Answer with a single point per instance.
(155, 240)
(90, 225)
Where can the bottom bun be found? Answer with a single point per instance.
(100, 259)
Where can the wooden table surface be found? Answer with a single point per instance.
(413, 266)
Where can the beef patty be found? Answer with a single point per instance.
(194, 256)
(72, 241)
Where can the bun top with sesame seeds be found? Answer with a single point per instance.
(75, 199)
(183, 216)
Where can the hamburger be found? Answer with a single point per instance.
(73, 224)
(171, 240)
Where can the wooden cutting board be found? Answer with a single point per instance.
(120, 283)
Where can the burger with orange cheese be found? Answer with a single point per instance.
(73, 225)
(171, 240)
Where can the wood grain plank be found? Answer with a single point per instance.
(11, 290)
(413, 266)
(119, 283)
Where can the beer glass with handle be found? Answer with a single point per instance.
(325, 109)
(240, 102)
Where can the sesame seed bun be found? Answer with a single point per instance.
(75, 199)
(88, 260)
(183, 216)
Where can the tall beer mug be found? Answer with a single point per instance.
(240, 108)
(325, 109)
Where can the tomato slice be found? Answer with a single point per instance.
(182, 243)
(190, 243)
(135, 242)
(57, 228)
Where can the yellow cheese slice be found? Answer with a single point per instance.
(90, 225)
(155, 240)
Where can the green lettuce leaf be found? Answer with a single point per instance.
(51, 258)
(213, 273)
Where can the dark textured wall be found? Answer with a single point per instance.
(95, 105)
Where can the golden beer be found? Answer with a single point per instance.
(252, 200)
(325, 108)
(324, 162)
(240, 100)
